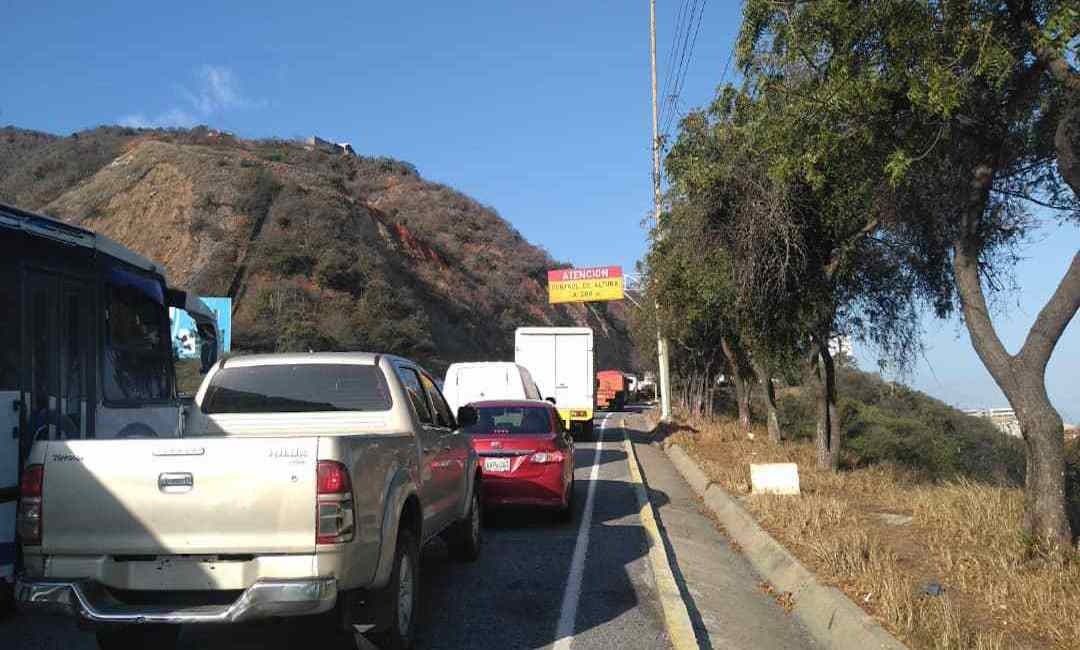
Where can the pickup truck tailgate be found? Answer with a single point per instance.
(180, 496)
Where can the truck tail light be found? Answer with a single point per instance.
(333, 504)
(28, 519)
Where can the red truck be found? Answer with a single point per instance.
(610, 390)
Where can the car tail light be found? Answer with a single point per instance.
(333, 504)
(333, 478)
(547, 457)
(28, 520)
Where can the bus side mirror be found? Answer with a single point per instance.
(467, 416)
(550, 399)
(208, 349)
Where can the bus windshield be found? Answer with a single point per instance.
(137, 350)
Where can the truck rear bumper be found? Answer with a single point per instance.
(94, 603)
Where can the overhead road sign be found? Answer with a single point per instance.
(585, 285)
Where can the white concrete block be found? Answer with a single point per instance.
(774, 478)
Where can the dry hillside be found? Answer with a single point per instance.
(325, 251)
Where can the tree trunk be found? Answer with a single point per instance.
(739, 381)
(1022, 377)
(1067, 143)
(773, 422)
(697, 395)
(704, 392)
(1044, 487)
(828, 434)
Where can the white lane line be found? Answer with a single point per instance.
(568, 611)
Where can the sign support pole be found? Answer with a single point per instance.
(661, 341)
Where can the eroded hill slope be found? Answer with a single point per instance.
(319, 250)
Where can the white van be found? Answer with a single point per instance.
(486, 380)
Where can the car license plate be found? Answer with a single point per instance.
(496, 464)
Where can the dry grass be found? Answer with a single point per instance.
(963, 535)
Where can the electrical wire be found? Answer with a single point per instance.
(674, 55)
(690, 36)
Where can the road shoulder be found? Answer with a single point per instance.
(828, 615)
(724, 595)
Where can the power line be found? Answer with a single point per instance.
(674, 56)
(668, 73)
(672, 94)
(689, 43)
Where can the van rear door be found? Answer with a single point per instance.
(537, 353)
(573, 371)
(481, 382)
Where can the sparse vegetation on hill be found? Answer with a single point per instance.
(889, 422)
(318, 250)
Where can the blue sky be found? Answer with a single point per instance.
(540, 110)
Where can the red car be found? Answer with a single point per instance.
(526, 455)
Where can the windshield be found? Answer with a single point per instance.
(297, 389)
(510, 420)
(137, 360)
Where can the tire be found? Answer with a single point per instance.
(588, 431)
(7, 600)
(465, 536)
(136, 637)
(566, 513)
(400, 632)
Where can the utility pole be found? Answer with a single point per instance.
(661, 341)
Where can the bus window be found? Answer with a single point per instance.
(75, 355)
(137, 348)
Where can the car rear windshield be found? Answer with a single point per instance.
(297, 389)
(502, 420)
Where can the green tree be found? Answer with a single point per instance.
(955, 118)
(805, 264)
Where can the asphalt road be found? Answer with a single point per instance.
(538, 584)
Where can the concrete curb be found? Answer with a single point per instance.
(676, 615)
(829, 616)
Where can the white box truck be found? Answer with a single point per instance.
(560, 360)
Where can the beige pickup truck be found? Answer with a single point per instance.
(303, 485)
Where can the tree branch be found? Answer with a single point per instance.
(1025, 197)
(848, 242)
(966, 247)
(1053, 319)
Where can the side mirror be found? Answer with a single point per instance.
(549, 399)
(208, 348)
(467, 416)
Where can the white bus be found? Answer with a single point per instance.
(84, 348)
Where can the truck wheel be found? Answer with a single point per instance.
(465, 536)
(135, 637)
(401, 595)
(587, 430)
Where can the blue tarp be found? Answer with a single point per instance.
(182, 327)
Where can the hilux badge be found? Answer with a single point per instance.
(288, 452)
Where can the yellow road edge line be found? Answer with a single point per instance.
(676, 616)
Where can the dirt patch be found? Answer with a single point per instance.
(940, 564)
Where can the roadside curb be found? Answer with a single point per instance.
(676, 614)
(830, 617)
